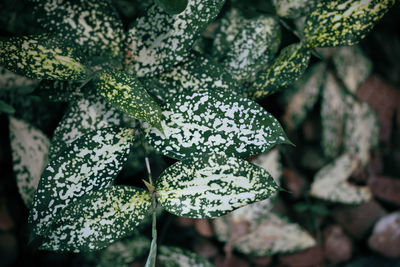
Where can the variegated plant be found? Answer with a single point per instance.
(148, 84)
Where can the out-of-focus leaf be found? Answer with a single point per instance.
(11, 80)
(6, 108)
(174, 257)
(98, 219)
(42, 57)
(343, 22)
(293, 8)
(211, 186)
(93, 25)
(302, 101)
(29, 147)
(331, 182)
(172, 7)
(253, 48)
(90, 163)
(215, 122)
(59, 91)
(286, 69)
(158, 41)
(352, 66)
(333, 111)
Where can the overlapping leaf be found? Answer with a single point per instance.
(127, 94)
(29, 148)
(82, 117)
(302, 101)
(90, 163)
(93, 25)
(343, 22)
(42, 57)
(59, 91)
(172, 6)
(286, 69)
(211, 186)
(331, 182)
(169, 256)
(11, 80)
(253, 48)
(293, 8)
(98, 219)
(159, 41)
(196, 74)
(352, 66)
(333, 112)
(215, 122)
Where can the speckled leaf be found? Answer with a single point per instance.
(29, 147)
(271, 163)
(94, 25)
(172, 6)
(253, 48)
(158, 41)
(352, 66)
(122, 253)
(333, 109)
(211, 186)
(42, 57)
(91, 162)
(127, 94)
(361, 130)
(343, 22)
(229, 27)
(11, 80)
(59, 91)
(286, 69)
(169, 256)
(98, 219)
(293, 8)
(215, 122)
(82, 117)
(308, 89)
(196, 74)
(331, 182)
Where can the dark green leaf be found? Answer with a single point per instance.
(177, 257)
(215, 122)
(11, 80)
(98, 219)
(6, 108)
(343, 22)
(59, 91)
(127, 94)
(211, 186)
(42, 57)
(293, 8)
(90, 163)
(172, 6)
(286, 69)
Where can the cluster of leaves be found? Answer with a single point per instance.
(156, 82)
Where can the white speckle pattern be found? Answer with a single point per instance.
(215, 122)
(29, 152)
(176, 257)
(159, 41)
(90, 163)
(293, 8)
(211, 186)
(98, 219)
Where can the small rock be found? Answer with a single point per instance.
(185, 222)
(306, 258)
(294, 182)
(205, 248)
(337, 246)
(358, 220)
(261, 261)
(386, 188)
(203, 227)
(232, 261)
(385, 238)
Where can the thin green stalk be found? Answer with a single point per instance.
(151, 259)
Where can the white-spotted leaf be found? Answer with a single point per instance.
(98, 219)
(293, 8)
(42, 57)
(343, 22)
(169, 256)
(158, 41)
(29, 148)
(211, 186)
(94, 25)
(127, 94)
(286, 69)
(331, 182)
(215, 122)
(89, 163)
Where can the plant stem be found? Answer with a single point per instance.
(151, 259)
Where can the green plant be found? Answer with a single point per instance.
(148, 84)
